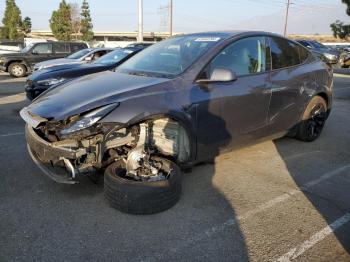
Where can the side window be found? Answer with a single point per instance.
(303, 53)
(97, 55)
(284, 53)
(244, 57)
(61, 48)
(42, 49)
(77, 47)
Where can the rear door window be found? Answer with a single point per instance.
(61, 48)
(284, 53)
(76, 47)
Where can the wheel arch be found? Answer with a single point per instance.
(178, 117)
(17, 61)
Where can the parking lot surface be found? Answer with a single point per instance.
(280, 200)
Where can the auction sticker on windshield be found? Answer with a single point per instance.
(207, 39)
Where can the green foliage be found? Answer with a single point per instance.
(61, 22)
(340, 29)
(86, 22)
(67, 21)
(26, 25)
(12, 21)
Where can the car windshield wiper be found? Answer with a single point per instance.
(150, 74)
(140, 74)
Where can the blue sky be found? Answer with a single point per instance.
(189, 16)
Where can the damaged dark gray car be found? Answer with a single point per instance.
(179, 102)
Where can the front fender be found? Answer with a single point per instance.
(130, 113)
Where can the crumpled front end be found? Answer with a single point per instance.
(65, 156)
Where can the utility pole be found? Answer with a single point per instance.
(140, 22)
(286, 22)
(170, 18)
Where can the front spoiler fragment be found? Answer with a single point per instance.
(44, 154)
(50, 171)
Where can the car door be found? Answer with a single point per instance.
(41, 52)
(232, 113)
(290, 78)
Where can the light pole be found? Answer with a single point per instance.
(286, 22)
(171, 18)
(140, 22)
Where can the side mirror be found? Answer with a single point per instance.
(220, 75)
(35, 52)
(88, 59)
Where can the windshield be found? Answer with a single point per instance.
(79, 54)
(170, 57)
(27, 48)
(318, 45)
(113, 57)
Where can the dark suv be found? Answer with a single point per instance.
(179, 102)
(20, 64)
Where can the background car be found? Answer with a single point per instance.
(179, 102)
(82, 56)
(43, 79)
(21, 64)
(332, 56)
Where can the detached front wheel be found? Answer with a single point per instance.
(142, 197)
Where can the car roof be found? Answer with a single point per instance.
(231, 33)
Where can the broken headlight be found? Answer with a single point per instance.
(89, 119)
(51, 81)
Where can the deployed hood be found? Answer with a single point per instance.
(55, 62)
(89, 92)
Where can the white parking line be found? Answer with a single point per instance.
(12, 99)
(12, 134)
(313, 240)
(261, 208)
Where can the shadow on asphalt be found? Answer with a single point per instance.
(308, 161)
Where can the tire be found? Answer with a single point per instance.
(138, 197)
(313, 120)
(17, 70)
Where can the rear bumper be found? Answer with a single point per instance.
(46, 155)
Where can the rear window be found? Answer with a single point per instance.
(284, 53)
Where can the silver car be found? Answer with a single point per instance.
(82, 56)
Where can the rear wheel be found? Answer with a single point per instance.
(313, 120)
(17, 70)
(142, 197)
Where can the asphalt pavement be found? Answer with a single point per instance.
(281, 200)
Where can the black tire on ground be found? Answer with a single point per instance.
(313, 120)
(17, 70)
(137, 197)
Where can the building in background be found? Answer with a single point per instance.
(109, 38)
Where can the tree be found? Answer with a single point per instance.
(26, 26)
(340, 29)
(61, 22)
(86, 22)
(75, 20)
(12, 21)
